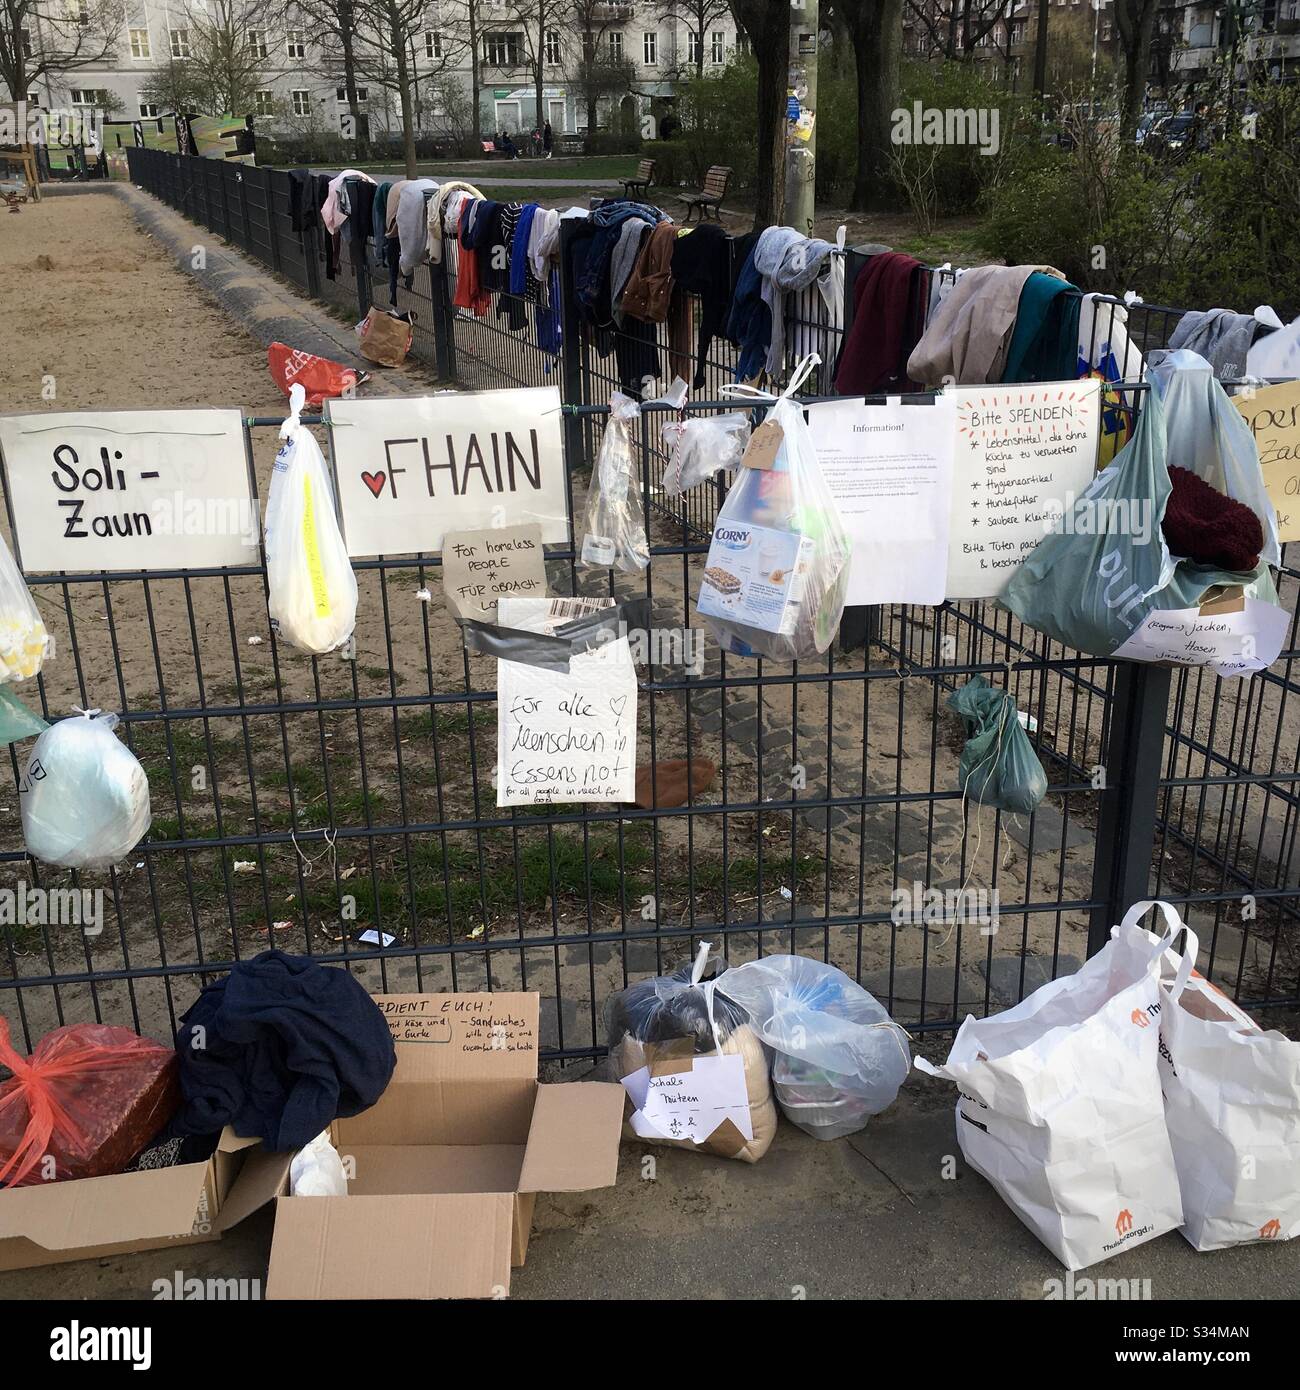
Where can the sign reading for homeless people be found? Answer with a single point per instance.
(129, 490)
(411, 470)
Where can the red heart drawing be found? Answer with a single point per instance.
(375, 482)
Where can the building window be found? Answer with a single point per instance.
(432, 43)
(616, 46)
(257, 43)
(149, 109)
(263, 104)
(692, 46)
(342, 94)
(90, 96)
(650, 49)
(300, 102)
(551, 51)
(294, 43)
(503, 50)
(718, 50)
(180, 43)
(139, 43)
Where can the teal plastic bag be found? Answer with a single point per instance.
(1105, 567)
(16, 720)
(998, 764)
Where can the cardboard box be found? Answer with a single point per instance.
(51, 1223)
(444, 1171)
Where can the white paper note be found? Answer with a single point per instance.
(692, 1104)
(1023, 453)
(889, 467)
(564, 737)
(1229, 643)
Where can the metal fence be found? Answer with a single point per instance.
(345, 808)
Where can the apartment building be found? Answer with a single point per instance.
(653, 44)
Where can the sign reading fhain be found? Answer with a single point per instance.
(410, 470)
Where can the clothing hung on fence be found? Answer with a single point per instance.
(412, 228)
(300, 208)
(649, 290)
(623, 259)
(606, 224)
(966, 341)
(782, 260)
(1221, 336)
(819, 326)
(378, 219)
(334, 211)
(889, 299)
(438, 207)
(361, 217)
(470, 294)
(1045, 341)
(702, 266)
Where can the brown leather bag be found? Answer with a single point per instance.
(386, 339)
(649, 288)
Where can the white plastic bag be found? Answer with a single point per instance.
(84, 796)
(1276, 355)
(1232, 1104)
(778, 564)
(838, 1058)
(700, 446)
(313, 591)
(615, 530)
(317, 1170)
(24, 641)
(1060, 1106)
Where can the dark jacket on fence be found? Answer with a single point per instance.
(888, 318)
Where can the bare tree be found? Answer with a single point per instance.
(221, 70)
(594, 71)
(44, 42)
(697, 16)
(876, 30)
(534, 18)
(387, 37)
(767, 26)
(334, 25)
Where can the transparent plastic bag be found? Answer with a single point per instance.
(615, 527)
(84, 796)
(317, 1170)
(24, 642)
(701, 446)
(678, 1021)
(838, 1058)
(313, 591)
(778, 564)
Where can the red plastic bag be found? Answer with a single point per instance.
(318, 376)
(91, 1097)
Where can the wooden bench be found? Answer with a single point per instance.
(710, 196)
(638, 186)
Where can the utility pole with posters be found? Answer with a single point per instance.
(801, 114)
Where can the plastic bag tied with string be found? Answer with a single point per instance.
(998, 764)
(777, 570)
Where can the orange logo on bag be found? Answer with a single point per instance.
(1124, 1222)
(1270, 1229)
(1140, 1018)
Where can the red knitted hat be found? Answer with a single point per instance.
(1203, 524)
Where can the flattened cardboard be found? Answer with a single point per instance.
(451, 1245)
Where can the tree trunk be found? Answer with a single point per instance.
(541, 59)
(1040, 52)
(876, 28)
(768, 27)
(360, 121)
(699, 52)
(404, 94)
(1136, 26)
(474, 77)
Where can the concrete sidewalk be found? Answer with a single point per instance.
(872, 1216)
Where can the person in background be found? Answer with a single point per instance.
(548, 139)
(508, 146)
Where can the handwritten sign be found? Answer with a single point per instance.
(1273, 414)
(129, 489)
(480, 567)
(1232, 636)
(410, 470)
(1023, 453)
(692, 1103)
(564, 737)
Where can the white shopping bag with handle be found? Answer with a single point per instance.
(1232, 1104)
(1060, 1105)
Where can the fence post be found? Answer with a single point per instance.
(444, 326)
(241, 180)
(1126, 822)
(571, 388)
(272, 226)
